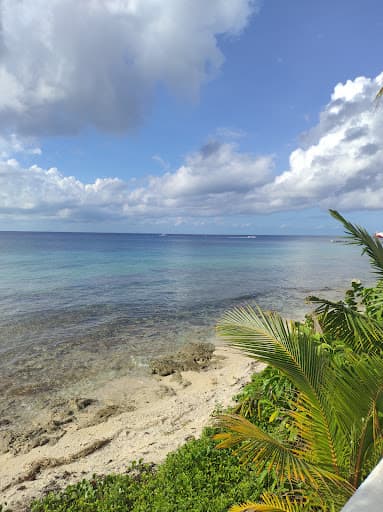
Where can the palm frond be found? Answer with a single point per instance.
(354, 328)
(266, 452)
(270, 504)
(373, 301)
(288, 347)
(359, 236)
(358, 390)
(269, 338)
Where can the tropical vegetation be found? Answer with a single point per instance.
(334, 417)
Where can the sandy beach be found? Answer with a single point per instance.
(126, 419)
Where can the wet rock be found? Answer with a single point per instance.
(23, 442)
(196, 354)
(165, 366)
(83, 403)
(192, 356)
(6, 439)
(62, 419)
(103, 414)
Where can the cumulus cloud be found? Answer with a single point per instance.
(341, 161)
(339, 164)
(46, 193)
(68, 64)
(211, 180)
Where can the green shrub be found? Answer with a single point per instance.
(112, 493)
(196, 478)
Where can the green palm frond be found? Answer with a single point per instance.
(340, 322)
(272, 503)
(359, 391)
(359, 236)
(288, 347)
(273, 340)
(373, 301)
(289, 461)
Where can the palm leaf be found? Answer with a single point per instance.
(359, 236)
(358, 390)
(277, 342)
(270, 504)
(340, 322)
(287, 346)
(266, 452)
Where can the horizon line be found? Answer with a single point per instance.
(163, 234)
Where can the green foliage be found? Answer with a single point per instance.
(356, 235)
(102, 494)
(334, 361)
(334, 414)
(267, 400)
(196, 478)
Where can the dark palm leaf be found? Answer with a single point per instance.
(359, 236)
(340, 322)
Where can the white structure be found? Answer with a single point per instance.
(369, 496)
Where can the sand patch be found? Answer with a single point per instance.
(127, 419)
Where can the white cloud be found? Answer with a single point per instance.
(12, 144)
(341, 162)
(339, 165)
(68, 64)
(211, 181)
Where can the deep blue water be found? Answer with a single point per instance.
(79, 306)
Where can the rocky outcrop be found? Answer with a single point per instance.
(192, 356)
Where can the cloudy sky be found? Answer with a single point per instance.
(188, 116)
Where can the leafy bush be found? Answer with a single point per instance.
(267, 399)
(196, 478)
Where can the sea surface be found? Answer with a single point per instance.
(77, 309)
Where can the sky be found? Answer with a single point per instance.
(187, 116)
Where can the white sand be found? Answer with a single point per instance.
(167, 413)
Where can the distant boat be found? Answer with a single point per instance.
(163, 234)
(379, 234)
(251, 236)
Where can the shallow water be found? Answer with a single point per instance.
(78, 309)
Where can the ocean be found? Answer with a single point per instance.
(78, 309)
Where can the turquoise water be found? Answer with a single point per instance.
(77, 308)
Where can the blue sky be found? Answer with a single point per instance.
(177, 116)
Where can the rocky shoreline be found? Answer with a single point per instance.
(126, 419)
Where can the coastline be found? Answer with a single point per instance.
(124, 420)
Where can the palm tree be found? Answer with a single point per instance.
(337, 411)
(357, 325)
